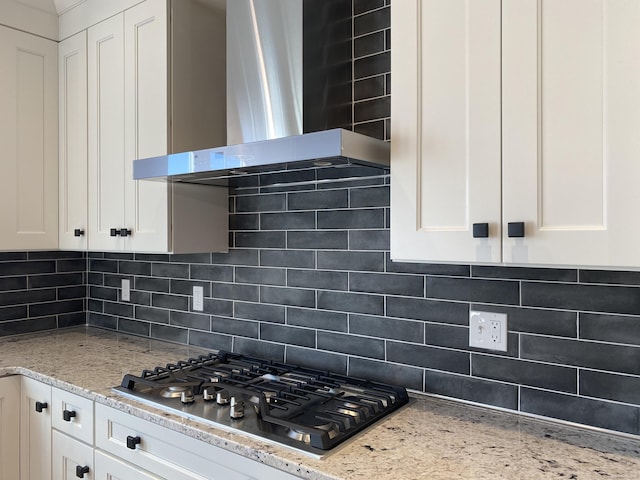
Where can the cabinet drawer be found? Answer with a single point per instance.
(107, 467)
(171, 454)
(72, 415)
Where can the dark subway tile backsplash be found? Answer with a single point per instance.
(472, 389)
(309, 280)
(590, 298)
(609, 415)
(42, 290)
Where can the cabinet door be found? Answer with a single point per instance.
(9, 428)
(72, 68)
(35, 430)
(146, 128)
(445, 153)
(106, 164)
(111, 468)
(571, 117)
(71, 459)
(28, 141)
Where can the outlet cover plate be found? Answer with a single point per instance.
(198, 298)
(488, 330)
(126, 290)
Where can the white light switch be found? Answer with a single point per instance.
(126, 290)
(198, 298)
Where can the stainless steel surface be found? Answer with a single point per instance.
(213, 414)
(264, 71)
(312, 411)
(337, 146)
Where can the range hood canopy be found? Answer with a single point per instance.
(329, 148)
(280, 55)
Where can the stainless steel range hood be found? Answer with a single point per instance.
(288, 73)
(324, 149)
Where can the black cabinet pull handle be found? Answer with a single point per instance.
(67, 415)
(125, 232)
(78, 232)
(133, 441)
(80, 471)
(114, 232)
(41, 406)
(515, 229)
(480, 230)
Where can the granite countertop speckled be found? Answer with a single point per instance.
(429, 439)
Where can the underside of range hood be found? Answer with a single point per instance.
(317, 156)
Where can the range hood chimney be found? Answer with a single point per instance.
(288, 99)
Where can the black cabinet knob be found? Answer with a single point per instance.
(480, 230)
(133, 441)
(80, 471)
(125, 232)
(114, 232)
(515, 229)
(67, 415)
(41, 406)
(78, 232)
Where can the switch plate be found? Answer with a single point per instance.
(198, 298)
(126, 290)
(488, 330)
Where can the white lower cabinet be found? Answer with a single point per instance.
(9, 427)
(35, 430)
(53, 426)
(71, 458)
(172, 455)
(65, 436)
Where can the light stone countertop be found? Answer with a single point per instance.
(428, 439)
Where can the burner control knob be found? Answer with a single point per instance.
(187, 396)
(237, 408)
(222, 397)
(209, 394)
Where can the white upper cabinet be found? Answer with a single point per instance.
(129, 117)
(516, 112)
(446, 130)
(127, 120)
(146, 122)
(28, 141)
(106, 156)
(72, 68)
(571, 123)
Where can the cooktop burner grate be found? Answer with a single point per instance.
(308, 409)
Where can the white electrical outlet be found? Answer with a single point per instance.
(198, 298)
(488, 330)
(126, 290)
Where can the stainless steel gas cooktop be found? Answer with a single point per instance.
(309, 410)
